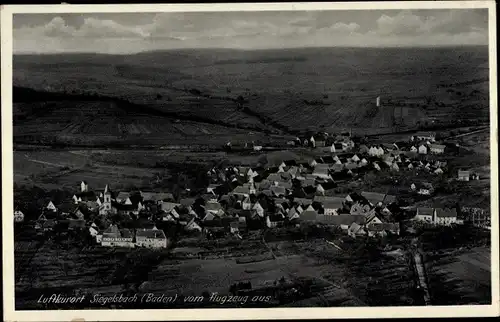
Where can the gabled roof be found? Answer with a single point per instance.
(334, 204)
(168, 206)
(186, 202)
(122, 195)
(150, 233)
(212, 206)
(375, 197)
(424, 211)
(242, 190)
(156, 196)
(437, 146)
(446, 212)
(277, 190)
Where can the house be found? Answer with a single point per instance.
(278, 191)
(150, 238)
(394, 167)
(84, 186)
(381, 229)
(309, 215)
(331, 207)
(246, 204)
(213, 207)
(438, 171)
(46, 225)
(94, 230)
(463, 175)
(355, 158)
(18, 216)
(51, 206)
(372, 219)
(275, 220)
(258, 209)
(422, 149)
(377, 199)
(156, 197)
(445, 216)
(243, 191)
(320, 190)
(234, 227)
(425, 189)
(425, 214)
(114, 237)
(437, 148)
(193, 226)
(356, 230)
(424, 136)
(124, 197)
(413, 149)
(76, 224)
(293, 214)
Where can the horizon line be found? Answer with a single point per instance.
(244, 49)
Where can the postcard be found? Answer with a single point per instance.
(256, 161)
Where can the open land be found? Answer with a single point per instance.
(221, 94)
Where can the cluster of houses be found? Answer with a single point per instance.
(243, 198)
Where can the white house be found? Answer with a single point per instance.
(150, 238)
(84, 186)
(425, 214)
(422, 149)
(18, 216)
(51, 206)
(246, 204)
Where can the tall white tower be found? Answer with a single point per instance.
(378, 101)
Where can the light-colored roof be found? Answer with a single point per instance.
(150, 233)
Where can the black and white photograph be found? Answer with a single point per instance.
(234, 157)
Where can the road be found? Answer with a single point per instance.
(421, 277)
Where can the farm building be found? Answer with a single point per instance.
(437, 148)
(150, 238)
(463, 175)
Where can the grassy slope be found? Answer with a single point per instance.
(284, 90)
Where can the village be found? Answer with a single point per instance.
(291, 193)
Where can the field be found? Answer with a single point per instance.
(460, 276)
(221, 93)
(198, 266)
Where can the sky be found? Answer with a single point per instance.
(125, 33)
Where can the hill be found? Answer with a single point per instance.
(280, 91)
